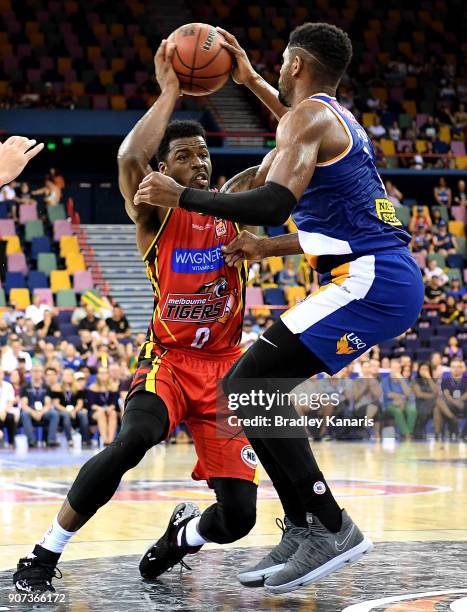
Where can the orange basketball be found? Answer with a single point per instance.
(201, 63)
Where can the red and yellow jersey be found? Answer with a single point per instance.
(198, 300)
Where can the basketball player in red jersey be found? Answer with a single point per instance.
(192, 342)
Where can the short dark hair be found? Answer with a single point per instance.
(178, 129)
(330, 45)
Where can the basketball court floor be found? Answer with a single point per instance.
(411, 499)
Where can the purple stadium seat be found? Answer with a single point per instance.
(100, 102)
(62, 228)
(82, 281)
(274, 297)
(75, 340)
(420, 258)
(64, 317)
(459, 213)
(14, 280)
(68, 330)
(421, 119)
(423, 354)
(458, 147)
(46, 63)
(46, 296)
(17, 263)
(254, 297)
(34, 75)
(446, 331)
(7, 227)
(438, 344)
(27, 212)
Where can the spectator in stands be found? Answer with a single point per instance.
(406, 157)
(377, 130)
(48, 326)
(36, 407)
(248, 335)
(395, 132)
(25, 195)
(79, 313)
(9, 416)
(119, 323)
(460, 197)
(420, 219)
(454, 389)
(397, 395)
(68, 400)
(426, 397)
(367, 396)
(56, 177)
(29, 337)
(85, 346)
(51, 376)
(442, 193)
(436, 218)
(288, 276)
(36, 310)
(90, 321)
(265, 275)
(433, 269)
(4, 332)
(455, 290)
(453, 350)
(102, 400)
(72, 359)
(437, 367)
(434, 293)
(421, 242)
(417, 162)
(12, 352)
(444, 242)
(381, 160)
(451, 312)
(460, 117)
(429, 129)
(52, 194)
(394, 195)
(7, 193)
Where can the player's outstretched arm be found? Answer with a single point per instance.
(141, 144)
(252, 248)
(245, 74)
(299, 137)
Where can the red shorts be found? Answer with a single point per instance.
(187, 385)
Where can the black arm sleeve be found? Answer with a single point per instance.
(267, 205)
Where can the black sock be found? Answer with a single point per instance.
(46, 556)
(318, 499)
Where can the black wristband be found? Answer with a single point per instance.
(267, 205)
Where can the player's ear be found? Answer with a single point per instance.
(297, 65)
(162, 167)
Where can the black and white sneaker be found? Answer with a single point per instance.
(33, 576)
(165, 553)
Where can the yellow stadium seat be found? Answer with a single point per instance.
(254, 12)
(461, 162)
(388, 146)
(383, 57)
(276, 264)
(368, 119)
(117, 64)
(75, 263)
(445, 134)
(457, 228)
(301, 13)
(255, 34)
(13, 245)
(294, 294)
(279, 24)
(419, 37)
(380, 92)
(117, 30)
(420, 146)
(32, 27)
(99, 29)
(77, 88)
(20, 297)
(93, 53)
(375, 24)
(411, 82)
(145, 54)
(4, 85)
(59, 279)
(278, 44)
(106, 77)
(68, 244)
(139, 41)
(118, 102)
(37, 39)
(406, 48)
(63, 64)
(410, 107)
(426, 211)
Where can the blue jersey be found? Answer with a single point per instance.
(345, 212)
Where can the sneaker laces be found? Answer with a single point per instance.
(183, 565)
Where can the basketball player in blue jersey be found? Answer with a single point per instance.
(323, 173)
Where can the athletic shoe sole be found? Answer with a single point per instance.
(350, 556)
(256, 578)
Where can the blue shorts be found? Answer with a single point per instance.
(366, 301)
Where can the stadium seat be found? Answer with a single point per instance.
(27, 212)
(440, 259)
(3, 210)
(14, 279)
(455, 261)
(82, 281)
(423, 354)
(403, 214)
(56, 213)
(274, 297)
(461, 162)
(40, 245)
(461, 245)
(276, 231)
(17, 263)
(457, 228)
(444, 212)
(438, 343)
(454, 273)
(75, 263)
(46, 262)
(13, 244)
(276, 264)
(45, 295)
(446, 330)
(62, 228)
(459, 213)
(64, 317)
(33, 229)
(66, 298)
(294, 294)
(68, 329)
(59, 279)
(68, 244)
(37, 280)
(2, 298)
(7, 227)
(20, 297)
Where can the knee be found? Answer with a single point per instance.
(239, 520)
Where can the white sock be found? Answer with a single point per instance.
(55, 538)
(192, 536)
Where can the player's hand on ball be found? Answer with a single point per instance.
(244, 246)
(243, 71)
(165, 73)
(157, 189)
(15, 153)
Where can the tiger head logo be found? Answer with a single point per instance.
(343, 347)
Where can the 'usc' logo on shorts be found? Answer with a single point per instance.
(343, 346)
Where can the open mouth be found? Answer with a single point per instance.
(200, 180)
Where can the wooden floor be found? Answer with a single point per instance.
(409, 492)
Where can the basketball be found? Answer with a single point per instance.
(201, 63)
